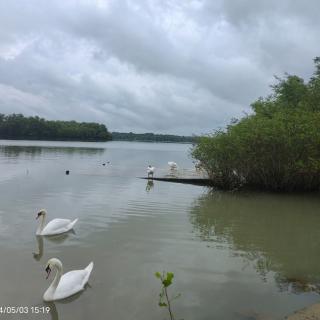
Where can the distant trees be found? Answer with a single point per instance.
(151, 137)
(275, 148)
(16, 126)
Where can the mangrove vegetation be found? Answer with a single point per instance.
(277, 147)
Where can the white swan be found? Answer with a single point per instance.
(150, 171)
(172, 165)
(66, 285)
(55, 226)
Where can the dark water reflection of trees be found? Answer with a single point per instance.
(278, 233)
(36, 151)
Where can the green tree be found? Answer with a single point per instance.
(16, 126)
(277, 147)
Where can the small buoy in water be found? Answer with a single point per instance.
(67, 172)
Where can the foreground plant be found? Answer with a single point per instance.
(164, 300)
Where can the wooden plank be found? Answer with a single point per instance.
(195, 181)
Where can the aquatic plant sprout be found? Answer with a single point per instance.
(164, 300)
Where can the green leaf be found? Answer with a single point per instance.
(158, 275)
(170, 276)
(162, 304)
(168, 281)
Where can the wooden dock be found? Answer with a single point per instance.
(187, 176)
(195, 181)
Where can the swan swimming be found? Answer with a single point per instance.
(172, 165)
(55, 226)
(150, 171)
(65, 285)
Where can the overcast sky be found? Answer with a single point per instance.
(183, 66)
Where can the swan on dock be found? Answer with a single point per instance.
(150, 171)
(172, 165)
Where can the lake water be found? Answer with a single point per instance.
(234, 255)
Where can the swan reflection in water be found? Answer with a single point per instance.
(53, 310)
(53, 305)
(55, 239)
(150, 185)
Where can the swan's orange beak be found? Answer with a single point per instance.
(48, 270)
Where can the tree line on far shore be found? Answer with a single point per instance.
(17, 126)
(277, 147)
(151, 137)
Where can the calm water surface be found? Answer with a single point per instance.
(234, 256)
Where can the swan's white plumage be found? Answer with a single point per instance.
(150, 171)
(68, 284)
(172, 165)
(55, 226)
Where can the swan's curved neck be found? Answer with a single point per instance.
(56, 280)
(41, 224)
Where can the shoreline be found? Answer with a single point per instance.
(308, 313)
(149, 141)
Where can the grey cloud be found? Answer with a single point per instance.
(162, 66)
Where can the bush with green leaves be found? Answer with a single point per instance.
(277, 147)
